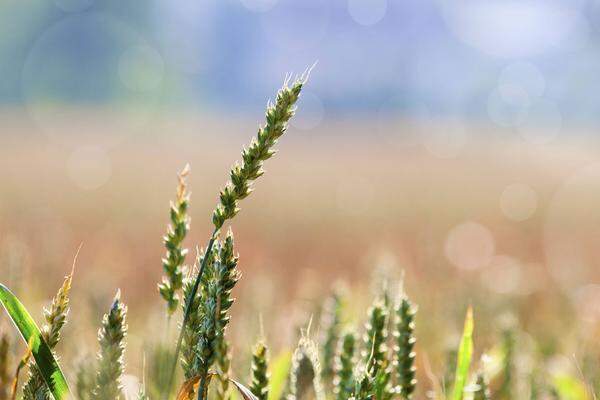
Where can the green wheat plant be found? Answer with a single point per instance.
(376, 362)
(405, 339)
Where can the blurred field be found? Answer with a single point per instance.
(340, 202)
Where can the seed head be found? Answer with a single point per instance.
(111, 364)
(175, 256)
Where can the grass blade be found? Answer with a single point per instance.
(463, 362)
(46, 363)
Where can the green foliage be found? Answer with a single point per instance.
(111, 365)
(259, 373)
(41, 352)
(175, 257)
(465, 353)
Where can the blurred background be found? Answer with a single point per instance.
(454, 140)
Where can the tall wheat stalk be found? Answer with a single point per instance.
(240, 186)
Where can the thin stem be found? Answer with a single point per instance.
(186, 315)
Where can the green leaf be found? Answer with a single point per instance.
(280, 369)
(463, 362)
(46, 363)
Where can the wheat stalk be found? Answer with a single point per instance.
(242, 177)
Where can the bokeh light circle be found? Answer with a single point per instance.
(507, 105)
(367, 12)
(503, 275)
(96, 93)
(518, 201)
(524, 75)
(469, 246)
(515, 28)
(587, 302)
(89, 167)
(141, 68)
(542, 123)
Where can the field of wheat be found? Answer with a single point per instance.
(361, 266)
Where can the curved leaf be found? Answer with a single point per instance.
(46, 363)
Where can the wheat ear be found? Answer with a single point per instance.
(111, 364)
(175, 256)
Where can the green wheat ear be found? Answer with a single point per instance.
(260, 149)
(259, 371)
(343, 382)
(375, 338)
(111, 364)
(55, 318)
(376, 376)
(404, 348)
(173, 240)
